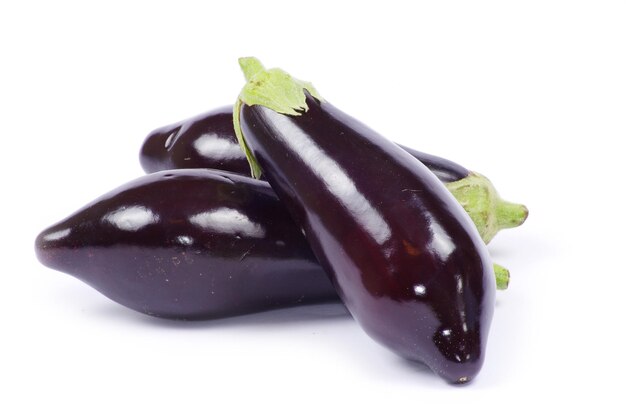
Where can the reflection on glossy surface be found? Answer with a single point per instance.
(330, 173)
(426, 289)
(212, 146)
(56, 235)
(419, 289)
(441, 243)
(188, 244)
(185, 240)
(229, 221)
(131, 218)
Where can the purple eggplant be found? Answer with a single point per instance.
(190, 244)
(205, 141)
(403, 255)
(208, 141)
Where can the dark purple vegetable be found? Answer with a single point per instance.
(204, 141)
(188, 244)
(208, 140)
(402, 254)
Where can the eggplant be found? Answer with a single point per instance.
(402, 254)
(208, 140)
(190, 244)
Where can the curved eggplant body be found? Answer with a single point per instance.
(188, 244)
(208, 141)
(204, 141)
(403, 255)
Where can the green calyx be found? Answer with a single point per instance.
(488, 211)
(274, 89)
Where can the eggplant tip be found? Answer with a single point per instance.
(49, 246)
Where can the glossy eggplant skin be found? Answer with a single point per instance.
(188, 244)
(402, 254)
(204, 141)
(208, 141)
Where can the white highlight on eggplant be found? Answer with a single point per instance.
(170, 138)
(227, 221)
(184, 240)
(131, 218)
(441, 243)
(333, 176)
(55, 236)
(419, 289)
(211, 146)
(459, 284)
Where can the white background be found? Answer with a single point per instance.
(532, 94)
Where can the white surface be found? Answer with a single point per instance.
(532, 94)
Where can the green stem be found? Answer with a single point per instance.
(487, 210)
(503, 277)
(250, 67)
(255, 168)
(510, 215)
